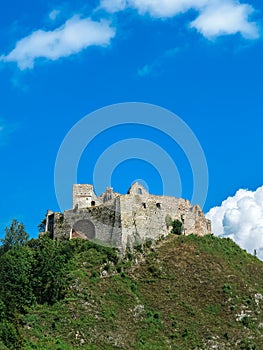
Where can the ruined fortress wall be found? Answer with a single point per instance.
(125, 220)
(192, 216)
(140, 220)
(198, 224)
(145, 217)
(101, 223)
(108, 195)
(149, 217)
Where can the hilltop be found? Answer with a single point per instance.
(185, 292)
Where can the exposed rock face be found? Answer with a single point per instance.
(124, 220)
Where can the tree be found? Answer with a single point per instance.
(16, 271)
(42, 226)
(50, 275)
(15, 236)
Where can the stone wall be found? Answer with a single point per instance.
(55, 225)
(145, 216)
(98, 223)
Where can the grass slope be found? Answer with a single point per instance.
(185, 293)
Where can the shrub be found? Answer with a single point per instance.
(227, 288)
(247, 322)
(139, 248)
(94, 274)
(177, 227)
(133, 287)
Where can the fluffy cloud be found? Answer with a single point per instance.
(156, 8)
(215, 17)
(72, 37)
(226, 18)
(241, 218)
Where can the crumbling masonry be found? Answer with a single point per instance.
(124, 220)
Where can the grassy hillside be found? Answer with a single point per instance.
(185, 293)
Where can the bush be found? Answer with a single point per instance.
(177, 227)
(133, 287)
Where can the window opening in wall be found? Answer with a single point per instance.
(92, 203)
(158, 205)
(144, 205)
(139, 191)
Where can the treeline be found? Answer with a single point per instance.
(34, 271)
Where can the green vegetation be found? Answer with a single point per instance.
(15, 236)
(177, 227)
(185, 292)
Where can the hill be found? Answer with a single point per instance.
(187, 292)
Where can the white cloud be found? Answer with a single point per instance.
(241, 218)
(113, 5)
(156, 8)
(165, 8)
(214, 17)
(72, 37)
(225, 19)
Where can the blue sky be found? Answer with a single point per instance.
(61, 61)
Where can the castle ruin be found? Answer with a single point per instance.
(124, 220)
